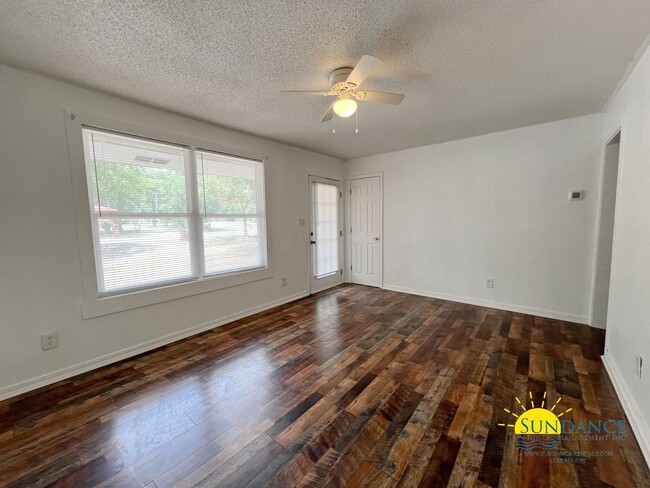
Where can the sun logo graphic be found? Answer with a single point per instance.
(537, 421)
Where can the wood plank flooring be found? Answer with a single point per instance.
(354, 386)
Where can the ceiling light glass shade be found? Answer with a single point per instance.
(344, 107)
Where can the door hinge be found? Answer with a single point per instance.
(341, 272)
(350, 230)
(350, 267)
(340, 194)
(341, 233)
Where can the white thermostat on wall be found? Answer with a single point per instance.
(576, 195)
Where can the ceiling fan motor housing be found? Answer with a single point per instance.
(338, 81)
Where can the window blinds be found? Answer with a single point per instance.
(326, 214)
(158, 220)
(231, 202)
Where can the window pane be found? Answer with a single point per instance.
(136, 253)
(133, 175)
(327, 229)
(232, 244)
(144, 224)
(227, 185)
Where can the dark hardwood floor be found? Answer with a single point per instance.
(354, 386)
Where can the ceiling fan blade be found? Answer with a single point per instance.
(382, 97)
(307, 92)
(329, 115)
(364, 68)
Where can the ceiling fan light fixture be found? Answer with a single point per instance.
(345, 107)
(344, 83)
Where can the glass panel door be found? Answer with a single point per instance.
(326, 199)
(325, 233)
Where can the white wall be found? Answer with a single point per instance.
(40, 285)
(495, 206)
(628, 318)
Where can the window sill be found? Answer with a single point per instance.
(118, 303)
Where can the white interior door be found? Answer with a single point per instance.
(365, 229)
(326, 233)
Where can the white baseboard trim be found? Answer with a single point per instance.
(637, 422)
(318, 290)
(65, 373)
(489, 304)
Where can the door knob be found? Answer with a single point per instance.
(376, 238)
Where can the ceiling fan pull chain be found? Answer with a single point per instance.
(356, 122)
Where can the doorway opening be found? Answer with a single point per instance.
(602, 273)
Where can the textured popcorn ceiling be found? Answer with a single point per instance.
(467, 67)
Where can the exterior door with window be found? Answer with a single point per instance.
(325, 234)
(365, 228)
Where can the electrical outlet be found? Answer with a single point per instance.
(50, 341)
(284, 281)
(489, 283)
(639, 366)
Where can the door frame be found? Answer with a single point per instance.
(348, 213)
(310, 253)
(617, 132)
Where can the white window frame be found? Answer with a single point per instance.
(94, 304)
(260, 205)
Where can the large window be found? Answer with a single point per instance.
(165, 213)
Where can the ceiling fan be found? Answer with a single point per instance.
(344, 85)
